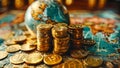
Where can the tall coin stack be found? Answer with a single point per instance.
(61, 38)
(76, 34)
(44, 37)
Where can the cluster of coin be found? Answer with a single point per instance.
(76, 34)
(61, 38)
(44, 37)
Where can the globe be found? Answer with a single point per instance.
(45, 11)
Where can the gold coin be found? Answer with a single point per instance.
(79, 53)
(13, 48)
(42, 66)
(59, 31)
(20, 38)
(93, 61)
(58, 66)
(27, 66)
(9, 42)
(27, 47)
(52, 59)
(17, 58)
(73, 63)
(3, 54)
(34, 58)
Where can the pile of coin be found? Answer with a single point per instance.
(76, 34)
(61, 38)
(44, 37)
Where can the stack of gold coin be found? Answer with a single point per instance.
(61, 45)
(61, 38)
(59, 31)
(76, 34)
(44, 37)
(76, 31)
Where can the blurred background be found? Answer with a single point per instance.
(92, 5)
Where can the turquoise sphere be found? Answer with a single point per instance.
(45, 11)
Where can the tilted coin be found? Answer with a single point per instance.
(20, 39)
(27, 47)
(17, 58)
(3, 54)
(93, 61)
(79, 53)
(9, 42)
(13, 48)
(52, 59)
(73, 63)
(34, 58)
(89, 42)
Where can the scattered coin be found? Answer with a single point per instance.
(20, 39)
(73, 63)
(52, 59)
(33, 58)
(79, 53)
(9, 42)
(17, 58)
(93, 61)
(27, 47)
(3, 54)
(42, 66)
(13, 48)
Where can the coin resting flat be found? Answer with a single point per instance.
(52, 59)
(13, 48)
(3, 54)
(33, 58)
(27, 47)
(73, 63)
(17, 58)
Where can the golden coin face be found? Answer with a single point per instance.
(13, 48)
(17, 58)
(20, 38)
(28, 66)
(79, 53)
(74, 63)
(3, 54)
(93, 61)
(52, 59)
(27, 47)
(9, 42)
(42, 66)
(33, 58)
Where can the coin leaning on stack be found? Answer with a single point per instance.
(61, 39)
(44, 37)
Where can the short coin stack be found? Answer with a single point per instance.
(44, 37)
(76, 34)
(61, 38)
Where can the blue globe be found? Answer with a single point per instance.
(45, 11)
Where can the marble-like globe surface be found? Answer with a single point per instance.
(45, 11)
